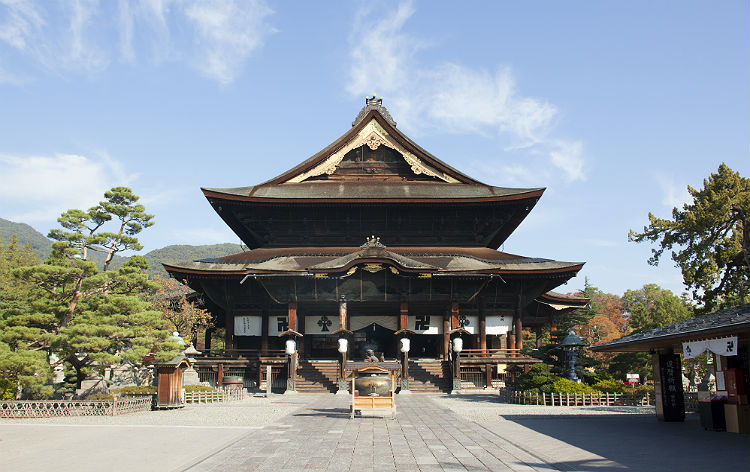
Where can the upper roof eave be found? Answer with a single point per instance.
(380, 191)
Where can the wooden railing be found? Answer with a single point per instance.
(52, 408)
(226, 395)
(580, 399)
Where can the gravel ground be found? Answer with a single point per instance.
(252, 411)
(487, 406)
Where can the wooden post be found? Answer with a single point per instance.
(269, 376)
(518, 326)
(342, 314)
(264, 333)
(229, 334)
(454, 315)
(446, 337)
(292, 315)
(404, 316)
(488, 376)
(403, 323)
(483, 332)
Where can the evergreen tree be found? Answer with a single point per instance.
(705, 239)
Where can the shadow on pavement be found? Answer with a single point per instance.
(640, 442)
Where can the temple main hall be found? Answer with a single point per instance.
(373, 240)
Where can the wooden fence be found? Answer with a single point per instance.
(226, 395)
(53, 408)
(580, 399)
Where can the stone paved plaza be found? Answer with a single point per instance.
(314, 432)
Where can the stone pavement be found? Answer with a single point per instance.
(427, 436)
(314, 432)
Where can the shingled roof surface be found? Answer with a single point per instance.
(306, 259)
(465, 187)
(737, 317)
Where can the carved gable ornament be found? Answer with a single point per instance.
(372, 135)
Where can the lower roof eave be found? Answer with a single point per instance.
(673, 340)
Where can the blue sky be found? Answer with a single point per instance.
(615, 107)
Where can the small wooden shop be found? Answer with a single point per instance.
(725, 335)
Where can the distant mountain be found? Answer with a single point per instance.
(175, 253)
(26, 234)
(183, 252)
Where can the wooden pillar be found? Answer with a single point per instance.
(292, 315)
(342, 314)
(454, 315)
(511, 343)
(518, 326)
(446, 337)
(482, 332)
(403, 322)
(229, 333)
(292, 323)
(519, 333)
(264, 333)
(488, 376)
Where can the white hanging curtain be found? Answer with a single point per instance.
(247, 325)
(721, 346)
(386, 321)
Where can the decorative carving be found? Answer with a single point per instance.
(373, 104)
(372, 268)
(374, 141)
(373, 135)
(372, 241)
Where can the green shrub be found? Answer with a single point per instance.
(611, 386)
(643, 389)
(536, 379)
(135, 390)
(199, 388)
(100, 396)
(561, 385)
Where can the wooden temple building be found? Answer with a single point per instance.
(371, 240)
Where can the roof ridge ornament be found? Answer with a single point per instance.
(372, 241)
(374, 103)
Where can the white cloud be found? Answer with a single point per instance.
(673, 195)
(216, 37)
(227, 32)
(449, 96)
(566, 156)
(22, 23)
(39, 188)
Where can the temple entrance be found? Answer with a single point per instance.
(425, 346)
(322, 346)
(377, 338)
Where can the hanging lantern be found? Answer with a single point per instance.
(458, 344)
(291, 346)
(405, 345)
(343, 345)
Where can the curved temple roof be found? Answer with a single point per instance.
(373, 128)
(434, 260)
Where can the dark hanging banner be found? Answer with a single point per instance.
(672, 399)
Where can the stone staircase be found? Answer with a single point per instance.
(317, 376)
(429, 376)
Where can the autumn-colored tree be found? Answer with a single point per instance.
(185, 316)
